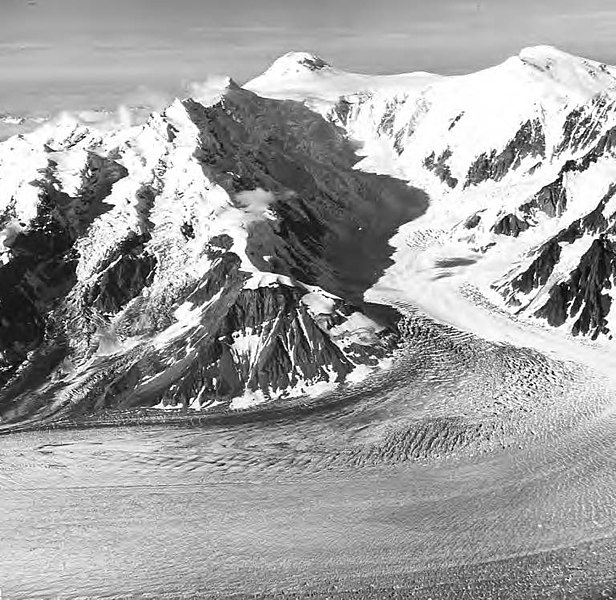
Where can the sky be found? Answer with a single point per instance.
(70, 54)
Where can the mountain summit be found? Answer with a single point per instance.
(293, 63)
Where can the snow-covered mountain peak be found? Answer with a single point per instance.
(174, 251)
(304, 77)
(567, 70)
(549, 58)
(544, 54)
(293, 63)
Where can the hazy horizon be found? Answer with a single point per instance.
(77, 54)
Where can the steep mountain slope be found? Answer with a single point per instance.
(518, 161)
(182, 263)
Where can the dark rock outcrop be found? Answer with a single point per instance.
(42, 266)
(473, 221)
(584, 124)
(550, 199)
(583, 295)
(386, 126)
(440, 167)
(529, 141)
(455, 121)
(510, 225)
(586, 282)
(333, 222)
(539, 271)
(268, 342)
(129, 270)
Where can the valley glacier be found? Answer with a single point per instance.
(320, 335)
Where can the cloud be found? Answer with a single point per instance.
(123, 117)
(209, 90)
(254, 203)
(23, 46)
(134, 109)
(254, 29)
(246, 208)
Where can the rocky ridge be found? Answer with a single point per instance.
(183, 264)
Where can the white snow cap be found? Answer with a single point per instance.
(567, 69)
(297, 62)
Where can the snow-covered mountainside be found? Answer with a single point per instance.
(519, 164)
(235, 248)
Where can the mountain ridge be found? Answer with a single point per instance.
(500, 153)
(145, 291)
(243, 246)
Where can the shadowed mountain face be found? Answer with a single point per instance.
(217, 253)
(333, 223)
(41, 270)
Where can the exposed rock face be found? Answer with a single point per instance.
(268, 342)
(550, 200)
(440, 167)
(130, 269)
(605, 145)
(584, 124)
(510, 225)
(295, 62)
(41, 266)
(594, 222)
(326, 230)
(387, 124)
(529, 141)
(539, 271)
(583, 295)
(472, 221)
(455, 121)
